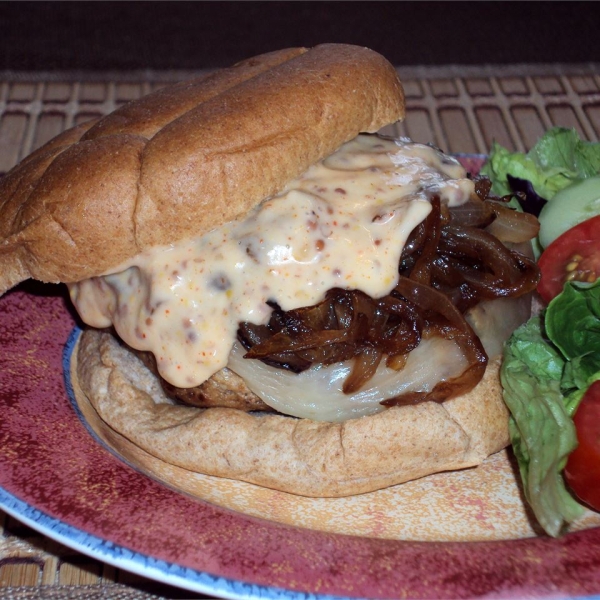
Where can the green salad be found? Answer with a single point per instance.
(551, 361)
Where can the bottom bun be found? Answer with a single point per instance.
(293, 455)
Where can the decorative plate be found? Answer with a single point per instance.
(462, 534)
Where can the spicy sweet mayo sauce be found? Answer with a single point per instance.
(343, 223)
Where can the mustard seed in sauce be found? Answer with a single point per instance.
(360, 204)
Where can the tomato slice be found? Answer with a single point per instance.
(575, 255)
(583, 465)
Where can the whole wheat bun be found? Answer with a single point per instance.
(186, 159)
(298, 456)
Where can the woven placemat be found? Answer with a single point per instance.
(458, 109)
(33, 566)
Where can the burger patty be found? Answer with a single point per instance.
(224, 389)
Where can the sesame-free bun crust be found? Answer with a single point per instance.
(293, 455)
(186, 159)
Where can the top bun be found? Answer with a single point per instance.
(186, 159)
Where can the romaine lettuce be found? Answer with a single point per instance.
(562, 149)
(541, 430)
(548, 364)
(558, 159)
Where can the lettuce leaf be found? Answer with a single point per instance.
(558, 159)
(561, 148)
(549, 362)
(502, 163)
(542, 432)
(573, 319)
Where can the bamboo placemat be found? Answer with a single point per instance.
(459, 109)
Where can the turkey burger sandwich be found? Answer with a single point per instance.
(274, 293)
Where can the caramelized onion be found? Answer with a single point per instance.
(415, 240)
(317, 392)
(363, 368)
(450, 264)
(474, 213)
(511, 225)
(476, 244)
(447, 321)
(483, 187)
(347, 324)
(421, 270)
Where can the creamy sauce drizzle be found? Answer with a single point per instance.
(343, 223)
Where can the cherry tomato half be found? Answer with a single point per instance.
(583, 465)
(575, 255)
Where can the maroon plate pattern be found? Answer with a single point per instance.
(49, 461)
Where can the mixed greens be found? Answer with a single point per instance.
(548, 365)
(558, 159)
(551, 361)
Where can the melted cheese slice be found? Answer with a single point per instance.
(343, 223)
